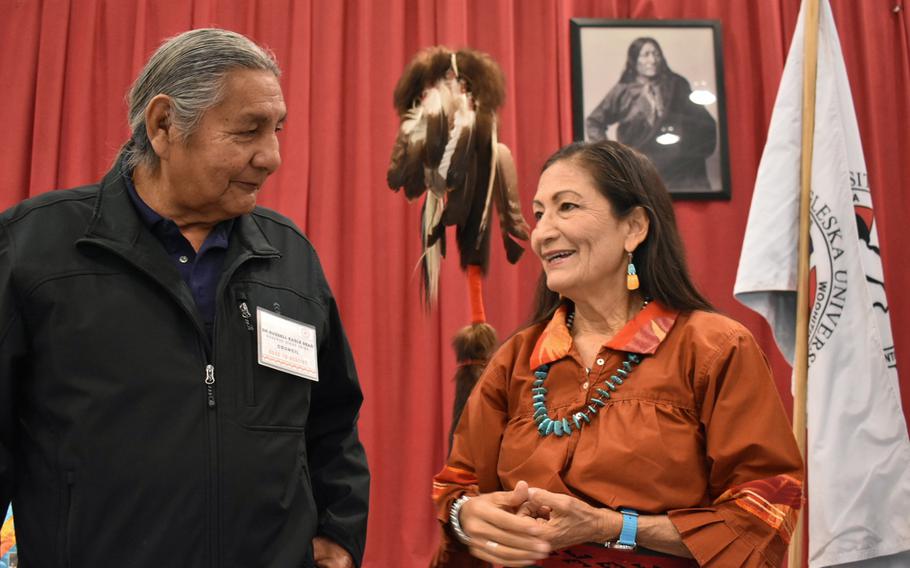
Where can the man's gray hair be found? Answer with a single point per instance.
(190, 68)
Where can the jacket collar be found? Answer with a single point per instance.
(117, 228)
(116, 222)
(643, 334)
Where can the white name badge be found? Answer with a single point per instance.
(286, 345)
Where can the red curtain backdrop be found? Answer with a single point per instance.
(65, 67)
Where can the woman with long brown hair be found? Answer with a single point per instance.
(629, 423)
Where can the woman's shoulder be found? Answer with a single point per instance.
(716, 346)
(712, 328)
(512, 355)
(519, 344)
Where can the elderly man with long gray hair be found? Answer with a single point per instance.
(176, 388)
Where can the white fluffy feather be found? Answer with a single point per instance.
(414, 127)
(432, 256)
(464, 118)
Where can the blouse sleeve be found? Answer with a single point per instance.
(755, 468)
(472, 464)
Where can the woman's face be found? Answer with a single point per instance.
(580, 242)
(649, 60)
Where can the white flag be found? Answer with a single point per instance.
(858, 451)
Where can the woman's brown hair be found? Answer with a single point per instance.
(628, 179)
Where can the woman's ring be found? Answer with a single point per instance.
(492, 544)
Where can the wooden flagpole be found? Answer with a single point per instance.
(801, 364)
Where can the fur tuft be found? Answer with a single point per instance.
(474, 342)
(483, 77)
(427, 67)
(474, 345)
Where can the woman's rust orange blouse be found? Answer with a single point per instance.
(697, 432)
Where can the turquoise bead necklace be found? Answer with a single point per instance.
(547, 426)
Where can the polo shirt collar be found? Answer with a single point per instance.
(166, 230)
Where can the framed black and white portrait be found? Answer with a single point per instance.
(656, 86)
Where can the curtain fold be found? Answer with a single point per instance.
(65, 68)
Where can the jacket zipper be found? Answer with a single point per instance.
(212, 426)
(247, 368)
(215, 486)
(210, 384)
(246, 315)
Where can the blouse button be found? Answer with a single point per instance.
(183, 259)
(584, 386)
(600, 361)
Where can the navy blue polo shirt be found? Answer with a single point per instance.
(201, 270)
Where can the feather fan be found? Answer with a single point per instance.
(447, 144)
(447, 151)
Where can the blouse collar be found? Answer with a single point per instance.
(642, 334)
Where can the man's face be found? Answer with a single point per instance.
(648, 61)
(216, 173)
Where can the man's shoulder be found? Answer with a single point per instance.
(51, 215)
(679, 81)
(53, 205)
(274, 222)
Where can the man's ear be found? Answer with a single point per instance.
(638, 224)
(158, 126)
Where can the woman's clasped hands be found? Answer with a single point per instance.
(522, 526)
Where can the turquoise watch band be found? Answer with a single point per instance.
(629, 530)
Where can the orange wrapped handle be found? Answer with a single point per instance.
(475, 293)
